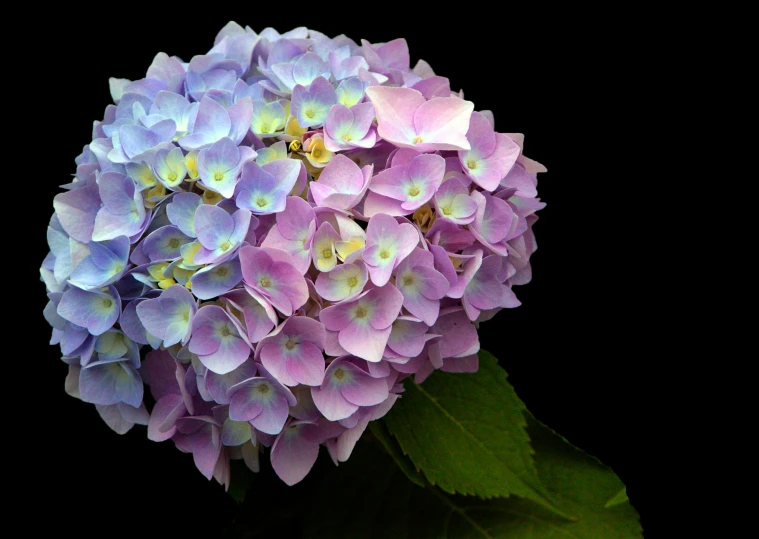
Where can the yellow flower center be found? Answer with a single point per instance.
(384, 253)
(173, 243)
(352, 282)
(316, 153)
(263, 389)
(327, 253)
(295, 146)
(447, 210)
(265, 128)
(413, 191)
(265, 282)
(339, 374)
(289, 345)
(471, 164)
(310, 113)
(346, 137)
(361, 312)
(408, 280)
(226, 246)
(218, 176)
(261, 202)
(221, 271)
(417, 140)
(225, 331)
(172, 176)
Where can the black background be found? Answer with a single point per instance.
(577, 350)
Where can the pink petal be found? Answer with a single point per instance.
(363, 341)
(395, 109)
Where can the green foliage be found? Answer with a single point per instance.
(455, 434)
(466, 433)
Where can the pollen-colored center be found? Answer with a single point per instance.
(221, 271)
(413, 191)
(263, 389)
(417, 140)
(261, 202)
(346, 137)
(339, 374)
(265, 282)
(225, 331)
(289, 345)
(226, 246)
(218, 176)
(384, 253)
(408, 280)
(447, 211)
(295, 146)
(265, 128)
(352, 282)
(107, 303)
(361, 312)
(316, 153)
(186, 315)
(327, 253)
(471, 164)
(172, 176)
(173, 243)
(310, 113)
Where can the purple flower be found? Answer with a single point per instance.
(181, 212)
(343, 282)
(169, 316)
(341, 184)
(293, 352)
(411, 185)
(264, 189)
(94, 310)
(213, 123)
(105, 264)
(452, 202)
(217, 341)
(270, 273)
(387, 244)
(258, 315)
(406, 119)
(216, 279)
(294, 232)
(219, 233)
(492, 155)
(219, 166)
(364, 324)
(261, 400)
(486, 290)
(346, 128)
(312, 102)
(226, 220)
(164, 243)
(123, 212)
(77, 210)
(422, 285)
(345, 388)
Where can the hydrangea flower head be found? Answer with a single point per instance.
(272, 236)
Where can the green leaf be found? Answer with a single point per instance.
(370, 497)
(578, 483)
(618, 499)
(466, 433)
(379, 430)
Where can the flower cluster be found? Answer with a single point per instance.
(289, 225)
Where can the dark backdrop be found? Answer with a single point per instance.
(576, 350)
